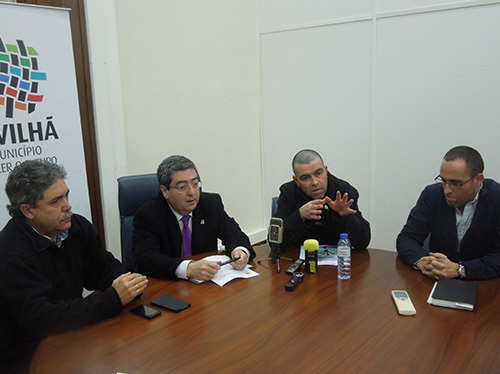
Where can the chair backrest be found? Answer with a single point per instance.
(133, 192)
(274, 206)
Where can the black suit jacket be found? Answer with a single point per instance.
(157, 238)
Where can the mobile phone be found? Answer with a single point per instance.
(145, 311)
(170, 303)
(294, 267)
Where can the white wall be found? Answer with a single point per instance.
(108, 112)
(179, 77)
(382, 90)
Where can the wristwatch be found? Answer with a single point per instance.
(461, 270)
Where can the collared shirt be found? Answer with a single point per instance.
(465, 219)
(59, 239)
(179, 216)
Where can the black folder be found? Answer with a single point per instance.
(454, 293)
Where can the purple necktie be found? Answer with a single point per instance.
(186, 237)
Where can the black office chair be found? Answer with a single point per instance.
(274, 205)
(133, 192)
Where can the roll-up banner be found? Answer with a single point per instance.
(39, 112)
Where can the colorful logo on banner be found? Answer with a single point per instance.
(19, 78)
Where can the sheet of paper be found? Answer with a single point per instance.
(327, 254)
(227, 273)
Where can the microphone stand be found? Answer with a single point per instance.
(275, 255)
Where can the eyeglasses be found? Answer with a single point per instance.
(196, 185)
(452, 184)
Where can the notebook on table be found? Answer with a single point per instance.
(454, 293)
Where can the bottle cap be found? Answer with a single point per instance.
(344, 236)
(311, 245)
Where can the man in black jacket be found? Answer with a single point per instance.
(460, 216)
(47, 256)
(318, 205)
(159, 245)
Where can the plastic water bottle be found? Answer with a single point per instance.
(344, 257)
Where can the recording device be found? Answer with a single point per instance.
(295, 281)
(276, 230)
(294, 267)
(167, 302)
(403, 303)
(274, 239)
(145, 311)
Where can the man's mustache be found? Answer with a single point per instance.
(67, 215)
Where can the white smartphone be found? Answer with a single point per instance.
(403, 303)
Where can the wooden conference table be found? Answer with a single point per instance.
(324, 326)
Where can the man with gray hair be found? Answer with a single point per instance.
(318, 205)
(48, 255)
(182, 221)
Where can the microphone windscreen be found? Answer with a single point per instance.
(311, 245)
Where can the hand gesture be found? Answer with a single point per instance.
(341, 205)
(312, 209)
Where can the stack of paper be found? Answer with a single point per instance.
(227, 273)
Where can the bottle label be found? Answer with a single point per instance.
(343, 251)
(311, 262)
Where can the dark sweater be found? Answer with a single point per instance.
(328, 229)
(41, 287)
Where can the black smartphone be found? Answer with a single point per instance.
(145, 311)
(167, 302)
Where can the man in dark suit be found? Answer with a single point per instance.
(163, 225)
(460, 216)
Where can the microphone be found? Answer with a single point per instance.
(275, 237)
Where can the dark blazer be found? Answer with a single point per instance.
(327, 230)
(479, 250)
(157, 238)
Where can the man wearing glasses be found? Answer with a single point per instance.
(460, 215)
(182, 221)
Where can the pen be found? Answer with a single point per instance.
(229, 261)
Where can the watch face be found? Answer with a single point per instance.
(461, 270)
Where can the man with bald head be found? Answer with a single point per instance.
(318, 205)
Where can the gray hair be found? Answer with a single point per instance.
(171, 165)
(29, 180)
(305, 156)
